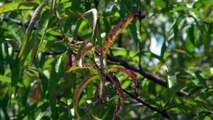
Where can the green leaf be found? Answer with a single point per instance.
(54, 78)
(27, 110)
(5, 79)
(163, 49)
(16, 32)
(171, 80)
(17, 6)
(27, 42)
(4, 103)
(160, 3)
(134, 34)
(39, 36)
(16, 71)
(79, 90)
(189, 43)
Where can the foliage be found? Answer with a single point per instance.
(123, 59)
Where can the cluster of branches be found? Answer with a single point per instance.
(123, 63)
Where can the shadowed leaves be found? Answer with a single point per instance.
(79, 90)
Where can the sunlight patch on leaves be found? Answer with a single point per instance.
(17, 6)
(85, 66)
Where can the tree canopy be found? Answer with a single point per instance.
(103, 59)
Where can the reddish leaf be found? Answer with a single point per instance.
(129, 72)
(37, 91)
(137, 85)
(119, 92)
(69, 62)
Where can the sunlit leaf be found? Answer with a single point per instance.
(82, 52)
(129, 72)
(17, 32)
(5, 79)
(39, 36)
(85, 66)
(17, 6)
(95, 18)
(117, 30)
(171, 81)
(27, 44)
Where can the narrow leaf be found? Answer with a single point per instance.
(171, 80)
(129, 72)
(91, 114)
(33, 20)
(37, 92)
(39, 36)
(95, 18)
(52, 88)
(78, 92)
(17, 6)
(137, 85)
(119, 92)
(117, 30)
(16, 31)
(5, 79)
(69, 62)
(86, 66)
(82, 52)
(35, 17)
(101, 90)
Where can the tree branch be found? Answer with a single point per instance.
(143, 73)
(162, 112)
(118, 61)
